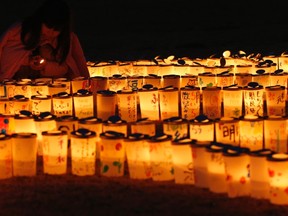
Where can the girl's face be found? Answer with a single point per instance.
(49, 32)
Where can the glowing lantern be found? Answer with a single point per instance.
(139, 69)
(6, 169)
(181, 69)
(138, 156)
(275, 135)
(201, 128)
(232, 101)
(112, 154)
(106, 104)
(259, 178)
(149, 102)
(9, 88)
(278, 178)
(24, 122)
(39, 88)
(216, 167)
(18, 103)
(251, 132)
(83, 103)
(7, 124)
(153, 80)
(188, 80)
(24, 154)
(279, 77)
(225, 79)
(168, 102)
(206, 79)
(212, 100)
(253, 95)
(199, 155)
(227, 131)
(190, 102)
(83, 152)
(134, 82)
(161, 157)
(97, 83)
(115, 123)
(64, 82)
(145, 126)
(261, 77)
(127, 105)
(176, 127)
(79, 83)
(276, 100)
(237, 161)
(55, 145)
(243, 69)
(41, 103)
(23, 88)
(4, 106)
(117, 82)
(62, 104)
(43, 122)
(171, 80)
(182, 161)
(56, 88)
(242, 79)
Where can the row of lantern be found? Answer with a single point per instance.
(222, 168)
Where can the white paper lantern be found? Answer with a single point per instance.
(79, 83)
(201, 128)
(24, 122)
(227, 131)
(171, 80)
(117, 82)
(83, 103)
(242, 79)
(190, 102)
(212, 102)
(41, 103)
(176, 127)
(64, 82)
(169, 102)
(39, 88)
(106, 104)
(6, 168)
(276, 100)
(253, 96)
(189, 80)
(232, 101)
(127, 105)
(18, 103)
(62, 104)
(144, 126)
(56, 88)
(153, 80)
(98, 83)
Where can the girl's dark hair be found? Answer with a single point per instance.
(54, 14)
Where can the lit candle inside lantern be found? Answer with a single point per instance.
(176, 127)
(24, 122)
(115, 123)
(138, 156)
(232, 101)
(41, 103)
(106, 104)
(182, 161)
(212, 100)
(161, 157)
(201, 128)
(62, 104)
(149, 102)
(237, 161)
(276, 100)
(253, 95)
(144, 126)
(278, 178)
(112, 154)
(55, 145)
(24, 154)
(79, 83)
(227, 131)
(168, 102)
(18, 103)
(83, 103)
(190, 102)
(6, 168)
(259, 178)
(83, 152)
(127, 105)
(275, 133)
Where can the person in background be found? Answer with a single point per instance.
(42, 45)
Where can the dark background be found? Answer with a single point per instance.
(128, 30)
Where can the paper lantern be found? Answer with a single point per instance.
(112, 154)
(55, 145)
(4, 106)
(259, 178)
(24, 122)
(39, 88)
(225, 79)
(190, 102)
(115, 123)
(153, 80)
(97, 83)
(78, 83)
(62, 104)
(262, 78)
(176, 127)
(145, 126)
(278, 178)
(23, 88)
(242, 79)
(9, 88)
(83, 103)
(276, 100)
(251, 132)
(64, 82)
(139, 69)
(201, 128)
(165, 69)
(6, 168)
(182, 161)
(161, 156)
(243, 69)
(24, 154)
(206, 79)
(7, 124)
(134, 82)
(188, 80)
(171, 80)
(216, 167)
(232, 101)
(227, 131)
(43, 122)
(117, 82)
(149, 102)
(138, 156)
(179, 69)
(237, 161)
(279, 77)
(106, 104)
(56, 88)
(127, 105)
(83, 152)
(199, 155)
(253, 95)
(18, 103)
(41, 103)
(169, 102)
(212, 102)
(275, 133)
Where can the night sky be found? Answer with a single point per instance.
(124, 30)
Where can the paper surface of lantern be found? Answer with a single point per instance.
(279, 77)
(153, 80)
(259, 178)
(206, 79)
(275, 133)
(17, 103)
(201, 128)
(41, 103)
(144, 126)
(237, 161)
(55, 146)
(212, 100)
(39, 88)
(276, 100)
(83, 103)
(161, 156)
(183, 161)
(9, 88)
(106, 104)
(189, 80)
(225, 79)
(253, 95)
(117, 82)
(115, 123)
(278, 178)
(242, 79)
(127, 105)
(62, 104)
(168, 102)
(79, 83)
(232, 101)
(56, 88)
(171, 80)
(138, 156)
(7, 124)
(23, 88)
(190, 102)
(176, 127)
(24, 154)
(6, 168)
(24, 122)
(261, 78)
(227, 131)
(4, 106)
(134, 82)
(112, 154)
(83, 152)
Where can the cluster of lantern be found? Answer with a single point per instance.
(223, 129)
